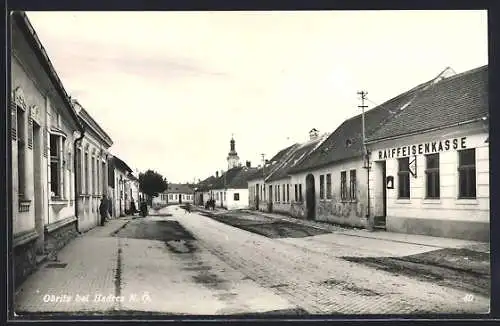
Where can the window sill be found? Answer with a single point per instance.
(57, 203)
(432, 201)
(403, 201)
(466, 201)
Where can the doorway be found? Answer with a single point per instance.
(380, 195)
(310, 197)
(270, 201)
(180, 198)
(257, 197)
(38, 188)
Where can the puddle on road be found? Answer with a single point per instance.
(209, 280)
(181, 247)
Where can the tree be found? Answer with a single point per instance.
(152, 183)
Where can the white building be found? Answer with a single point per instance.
(92, 169)
(120, 186)
(43, 133)
(176, 193)
(430, 164)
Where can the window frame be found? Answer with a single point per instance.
(57, 160)
(406, 175)
(322, 186)
(343, 186)
(329, 186)
(21, 143)
(470, 171)
(353, 185)
(432, 177)
(236, 196)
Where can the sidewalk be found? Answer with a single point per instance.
(85, 265)
(429, 241)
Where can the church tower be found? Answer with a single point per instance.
(232, 159)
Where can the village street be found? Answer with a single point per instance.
(178, 263)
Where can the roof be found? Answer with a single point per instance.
(273, 163)
(29, 32)
(87, 120)
(346, 141)
(181, 188)
(121, 165)
(235, 178)
(294, 156)
(453, 100)
(206, 184)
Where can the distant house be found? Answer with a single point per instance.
(229, 189)
(176, 193)
(430, 163)
(120, 185)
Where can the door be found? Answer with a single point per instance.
(310, 197)
(270, 201)
(381, 195)
(257, 197)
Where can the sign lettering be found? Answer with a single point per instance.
(425, 148)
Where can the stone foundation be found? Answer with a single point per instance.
(58, 236)
(24, 261)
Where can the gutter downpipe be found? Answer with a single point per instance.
(77, 185)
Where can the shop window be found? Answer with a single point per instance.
(236, 196)
(432, 176)
(322, 187)
(56, 166)
(328, 186)
(352, 185)
(404, 178)
(467, 173)
(343, 186)
(301, 199)
(21, 152)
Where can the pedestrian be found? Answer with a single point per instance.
(103, 209)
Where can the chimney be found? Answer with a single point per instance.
(249, 164)
(313, 134)
(216, 174)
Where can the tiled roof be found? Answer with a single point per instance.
(294, 157)
(179, 188)
(206, 184)
(346, 141)
(453, 100)
(273, 164)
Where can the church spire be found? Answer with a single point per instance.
(232, 158)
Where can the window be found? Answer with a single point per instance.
(278, 193)
(236, 196)
(296, 198)
(404, 177)
(170, 196)
(322, 187)
(56, 166)
(79, 167)
(432, 176)
(21, 149)
(86, 166)
(467, 173)
(284, 190)
(98, 183)
(224, 195)
(300, 193)
(328, 186)
(217, 195)
(352, 185)
(343, 185)
(288, 193)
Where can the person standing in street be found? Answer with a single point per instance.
(103, 209)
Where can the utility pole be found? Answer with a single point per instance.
(363, 107)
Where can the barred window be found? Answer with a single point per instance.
(343, 185)
(352, 185)
(322, 187)
(328, 186)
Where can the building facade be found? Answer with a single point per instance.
(176, 193)
(432, 176)
(120, 187)
(92, 169)
(44, 127)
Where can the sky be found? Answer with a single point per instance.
(171, 88)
